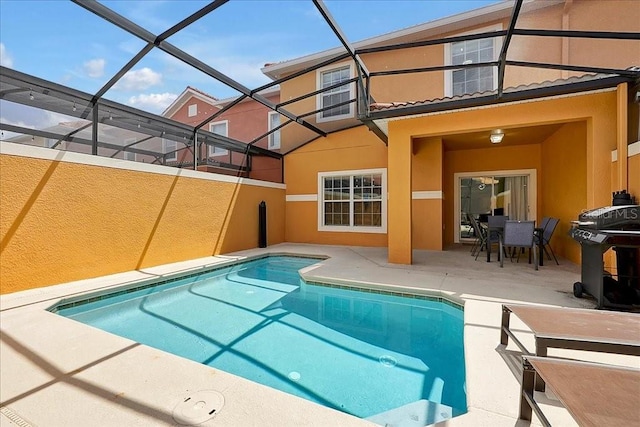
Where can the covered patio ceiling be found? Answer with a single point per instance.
(21, 88)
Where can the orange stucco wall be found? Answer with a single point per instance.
(65, 221)
(563, 195)
(427, 176)
(634, 176)
(352, 149)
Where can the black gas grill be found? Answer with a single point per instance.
(598, 230)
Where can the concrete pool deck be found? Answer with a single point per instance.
(58, 372)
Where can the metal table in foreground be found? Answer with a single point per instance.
(594, 394)
(573, 328)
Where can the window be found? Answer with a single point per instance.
(50, 142)
(274, 138)
(353, 201)
(471, 80)
(128, 155)
(169, 147)
(193, 110)
(219, 128)
(336, 95)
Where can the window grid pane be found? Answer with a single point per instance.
(353, 200)
(472, 80)
(335, 95)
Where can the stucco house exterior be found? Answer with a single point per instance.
(403, 170)
(240, 119)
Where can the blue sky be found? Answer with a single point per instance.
(60, 41)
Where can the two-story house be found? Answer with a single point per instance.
(466, 115)
(242, 119)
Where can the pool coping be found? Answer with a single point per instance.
(138, 285)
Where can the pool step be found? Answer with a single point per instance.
(416, 414)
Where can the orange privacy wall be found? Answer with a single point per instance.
(68, 220)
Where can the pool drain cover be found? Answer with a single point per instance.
(198, 407)
(294, 376)
(388, 361)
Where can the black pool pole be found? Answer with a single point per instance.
(262, 225)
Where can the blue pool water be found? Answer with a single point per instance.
(360, 352)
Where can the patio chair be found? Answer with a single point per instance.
(480, 233)
(548, 225)
(518, 234)
(495, 225)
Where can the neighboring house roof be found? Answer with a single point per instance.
(449, 24)
(267, 92)
(188, 93)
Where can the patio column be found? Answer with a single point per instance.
(399, 188)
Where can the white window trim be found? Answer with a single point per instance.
(192, 110)
(532, 187)
(352, 90)
(174, 156)
(352, 229)
(211, 149)
(270, 145)
(497, 46)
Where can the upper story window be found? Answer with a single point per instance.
(219, 128)
(170, 148)
(337, 95)
(471, 80)
(193, 110)
(353, 201)
(50, 142)
(274, 138)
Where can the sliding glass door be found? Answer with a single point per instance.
(479, 195)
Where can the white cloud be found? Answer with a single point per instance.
(7, 135)
(153, 102)
(94, 68)
(139, 79)
(5, 59)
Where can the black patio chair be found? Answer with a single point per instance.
(548, 225)
(480, 234)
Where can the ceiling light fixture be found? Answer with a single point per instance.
(496, 136)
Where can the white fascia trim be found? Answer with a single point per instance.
(267, 92)
(427, 195)
(301, 198)
(182, 99)
(12, 149)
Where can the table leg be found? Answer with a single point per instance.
(488, 244)
(541, 350)
(506, 314)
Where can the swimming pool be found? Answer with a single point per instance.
(373, 355)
